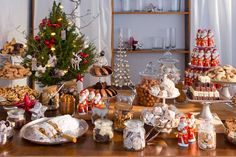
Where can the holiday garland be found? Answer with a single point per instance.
(58, 52)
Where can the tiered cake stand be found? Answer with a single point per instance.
(206, 112)
(225, 87)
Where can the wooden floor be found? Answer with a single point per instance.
(164, 145)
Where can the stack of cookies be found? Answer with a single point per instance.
(10, 72)
(100, 71)
(105, 90)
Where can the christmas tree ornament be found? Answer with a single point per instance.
(63, 34)
(52, 61)
(75, 61)
(33, 64)
(121, 70)
(38, 111)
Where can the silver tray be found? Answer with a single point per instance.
(83, 128)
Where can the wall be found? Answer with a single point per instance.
(143, 28)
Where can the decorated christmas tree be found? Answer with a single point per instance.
(59, 52)
(121, 77)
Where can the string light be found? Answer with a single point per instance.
(25, 46)
(61, 7)
(53, 34)
(53, 49)
(59, 19)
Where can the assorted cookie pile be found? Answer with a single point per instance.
(13, 48)
(10, 72)
(225, 73)
(105, 90)
(231, 124)
(100, 71)
(17, 93)
(144, 96)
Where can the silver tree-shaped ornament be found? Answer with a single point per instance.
(121, 77)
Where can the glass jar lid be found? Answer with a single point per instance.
(149, 71)
(134, 123)
(103, 123)
(167, 58)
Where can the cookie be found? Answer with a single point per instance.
(97, 71)
(104, 71)
(114, 92)
(109, 69)
(109, 93)
(103, 93)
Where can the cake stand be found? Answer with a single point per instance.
(164, 98)
(225, 87)
(206, 112)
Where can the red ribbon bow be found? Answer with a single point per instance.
(26, 103)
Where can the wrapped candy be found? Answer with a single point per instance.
(215, 58)
(204, 38)
(207, 58)
(198, 37)
(200, 58)
(211, 41)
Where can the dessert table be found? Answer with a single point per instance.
(163, 145)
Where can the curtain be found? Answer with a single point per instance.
(97, 28)
(218, 16)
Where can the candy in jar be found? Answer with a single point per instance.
(103, 130)
(134, 135)
(206, 136)
(122, 113)
(17, 118)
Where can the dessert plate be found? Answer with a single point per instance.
(26, 129)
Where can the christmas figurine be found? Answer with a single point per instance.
(187, 77)
(191, 77)
(204, 38)
(207, 59)
(194, 58)
(91, 97)
(191, 128)
(214, 58)
(183, 132)
(52, 61)
(38, 111)
(83, 103)
(101, 60)
(198, 38)
(200, 58)
(211, 41)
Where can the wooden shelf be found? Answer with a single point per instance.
(181, 51)
(174, 13)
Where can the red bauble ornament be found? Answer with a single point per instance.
(37, 38)
(83, 55)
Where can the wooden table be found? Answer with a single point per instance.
(87, 147)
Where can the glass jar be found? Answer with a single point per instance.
(168, 67)
(175, 5)
(122, 113)
(17, 118)
(50, 97)
(139, 5)
(134, 135)
(67, 104)
(103, 130)
(206, 136)
(149, 78)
